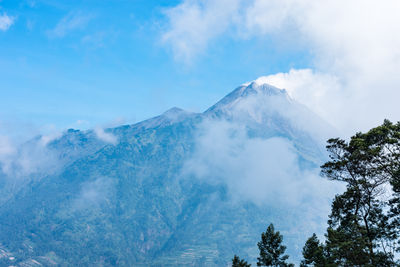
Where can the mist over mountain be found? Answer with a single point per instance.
(179, 189)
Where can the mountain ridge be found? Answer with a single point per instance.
(130, 203)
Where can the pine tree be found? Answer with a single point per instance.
(313, 253)
(272, 252)
(237, 262)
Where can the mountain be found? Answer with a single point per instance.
(180, 189)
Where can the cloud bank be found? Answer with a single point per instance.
(256, 169)
(265, 171)
(354, 81)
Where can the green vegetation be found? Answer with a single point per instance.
(364, 224)
(237, 262)
(313, 253)
(272, 252)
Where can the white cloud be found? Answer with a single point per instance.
(105, 137)
(7, 150)
(356, 46)
(194, 23)
(71, 22)
(46, 139)
(264, 171)
(312, 89)
(93, 194)
(256, 169)
(6, 22)
(5, 146)
(22, 160)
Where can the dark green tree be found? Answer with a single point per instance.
(313, 253)
(390, 162)
(360, 231)
(272, 252)
(237, 262)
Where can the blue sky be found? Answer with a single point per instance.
(84, 63)
(87, 63)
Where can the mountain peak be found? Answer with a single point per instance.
(171, 116)
(257, 87)
(174, 111)
(175, 114)
(262, 80)
(251, 89)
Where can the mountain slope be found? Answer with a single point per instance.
(139, 202)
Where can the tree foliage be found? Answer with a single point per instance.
(272, 252)
(237, 262)
(313, 253)
(361, 232)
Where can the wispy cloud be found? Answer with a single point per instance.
(75, 20)
(94, 40)
(6, 22)
(93, 194)
(31, 3)
(32, 157)
(7, 150)
(195, 23)
(105, 136)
